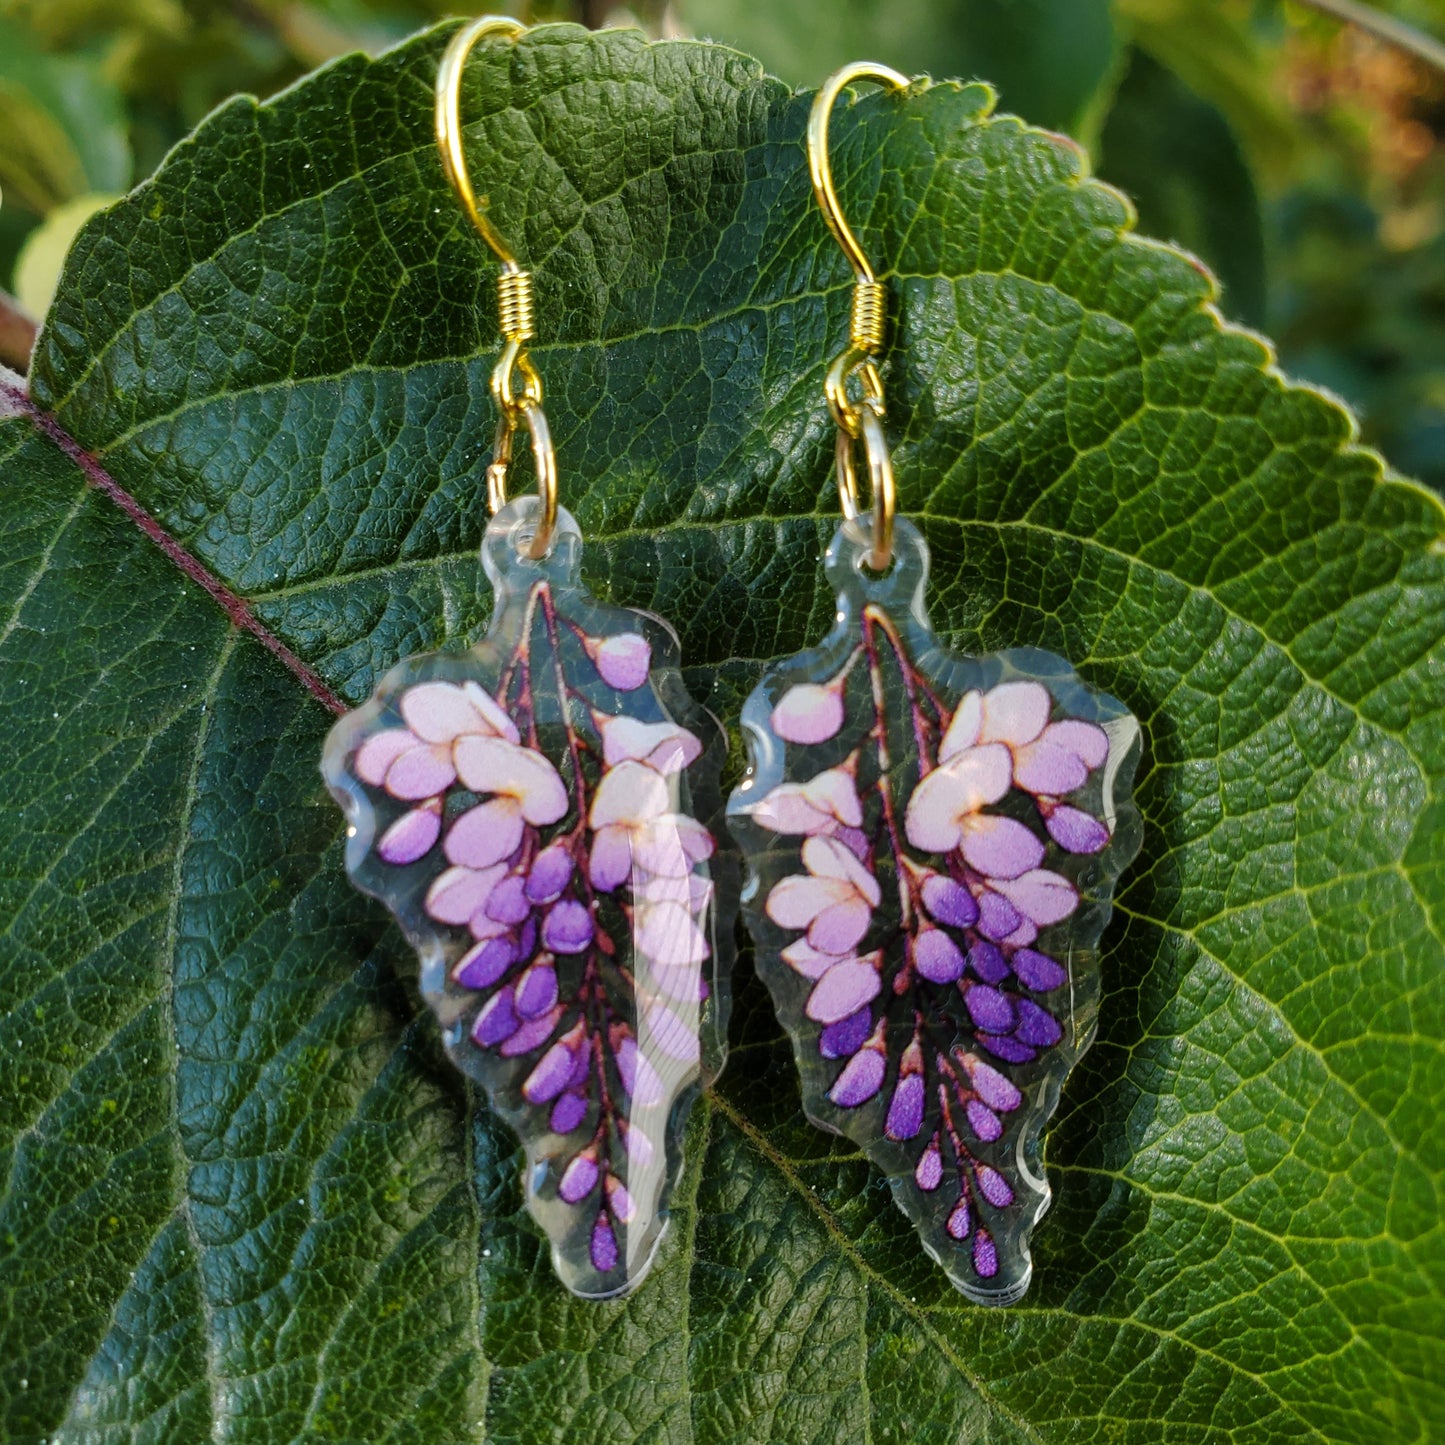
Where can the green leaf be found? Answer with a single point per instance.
(1176, 158)
(1047, 58)
(246, 1198)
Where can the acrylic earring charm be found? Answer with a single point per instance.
(932, 841)
(535, 812)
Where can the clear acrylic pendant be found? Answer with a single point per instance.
(529, 810)
(932, 842)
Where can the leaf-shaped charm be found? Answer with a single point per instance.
(529, 812)
(932, 843)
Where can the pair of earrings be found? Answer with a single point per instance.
(931, 842)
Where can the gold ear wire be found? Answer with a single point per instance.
(861, 420)
(514, 293)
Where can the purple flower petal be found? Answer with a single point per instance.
(421, 772)
(983, 1121)
(1087, 741)
(1015, 712)
(860, 1080)
(949, 901)
(640, 1079)
(991, 1086)
(997, 917)
(993, 1186)
(550, 1076)
(412, 835)
(623, 660)
(579, 1178)
(959, 1221)
(376, 755)
(1050, 767)
(507, 902)
(611, 858)
(482, 965)
(808, 713)
(937, 956)
(840, 928)
(1008, 1049)
(928, 1172)
(1037, 971)
(457, 894)
(905, 1112)
(567, 1113)
(1041, 896)
(1000, 847)
(989, 1009)
(842, 991)
(536, 990)
(845, 1038)
(1077, 831)
(639, 1147)
(987, 961)
(550, 873)
(619, 1201)
(604, 1245)
(985, 1256)
(567, 927)
(532, 1034)
(496, 1021)
(1037, 1026)
(485, 834)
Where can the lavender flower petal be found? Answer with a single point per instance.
(482, 965)
(983, 1121)
(845, 1038)
(985, 1255)
(567, 927)
(550, 873)
(623, 661)
(809, 713)
(1004, 1047)
(536, 990)
(905, 1111)
(928, 1172)
(1075, 830)
(549, 1077)
(604, 1245)
(960, 1223)
(860, 1080)
(937, 956)
(579, 1178)
(567, 1113)
(948, 901)
(496, 1021)
(989, 1009)
(1037, 971)
(993, 1186)
(1037, 1026)
(986, 960)
(410, 837)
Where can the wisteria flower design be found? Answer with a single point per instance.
(529, 811)
(933, 842)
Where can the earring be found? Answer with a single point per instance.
(528, 811)
(932, 841)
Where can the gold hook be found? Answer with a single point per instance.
(514, 291)
(856, 420)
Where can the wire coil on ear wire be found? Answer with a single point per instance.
(865, 326)
(514, 305)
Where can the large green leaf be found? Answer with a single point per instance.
(246, 1198)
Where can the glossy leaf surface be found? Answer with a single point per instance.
(246, 1198)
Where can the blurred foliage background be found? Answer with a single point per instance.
(1303, 158)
